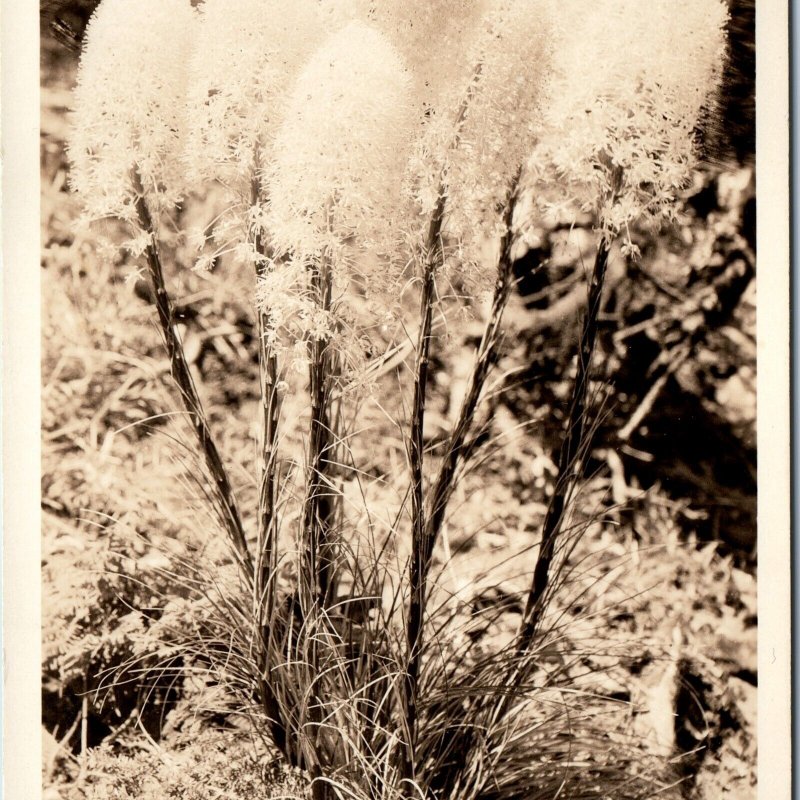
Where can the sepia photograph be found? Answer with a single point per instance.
(399, 367)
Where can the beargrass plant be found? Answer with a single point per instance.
(366, 152)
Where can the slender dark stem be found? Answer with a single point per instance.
(571, 469)
(318, 515)
(570, 465)
(319, 506)
(191, 400)
(496, 705)
(266, 559)
(268, 531)
(269, 376)
(457, 448)
(267, 500)
(433, 258)
(427, 524)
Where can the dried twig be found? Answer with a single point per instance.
(646, 406)
(705, 311)
(84, 760)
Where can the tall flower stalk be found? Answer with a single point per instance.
(231, 518)
(318, 520)
(124, 164)
(571, 464)
(321, 206)
(619, 142)
(428, 518)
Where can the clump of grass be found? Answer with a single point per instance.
(356, 671)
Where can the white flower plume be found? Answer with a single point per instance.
(342, 144)
(435, 39)
(502, 121)
(128, 105)
(631, 82)
(246, 54)
(334, 185)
